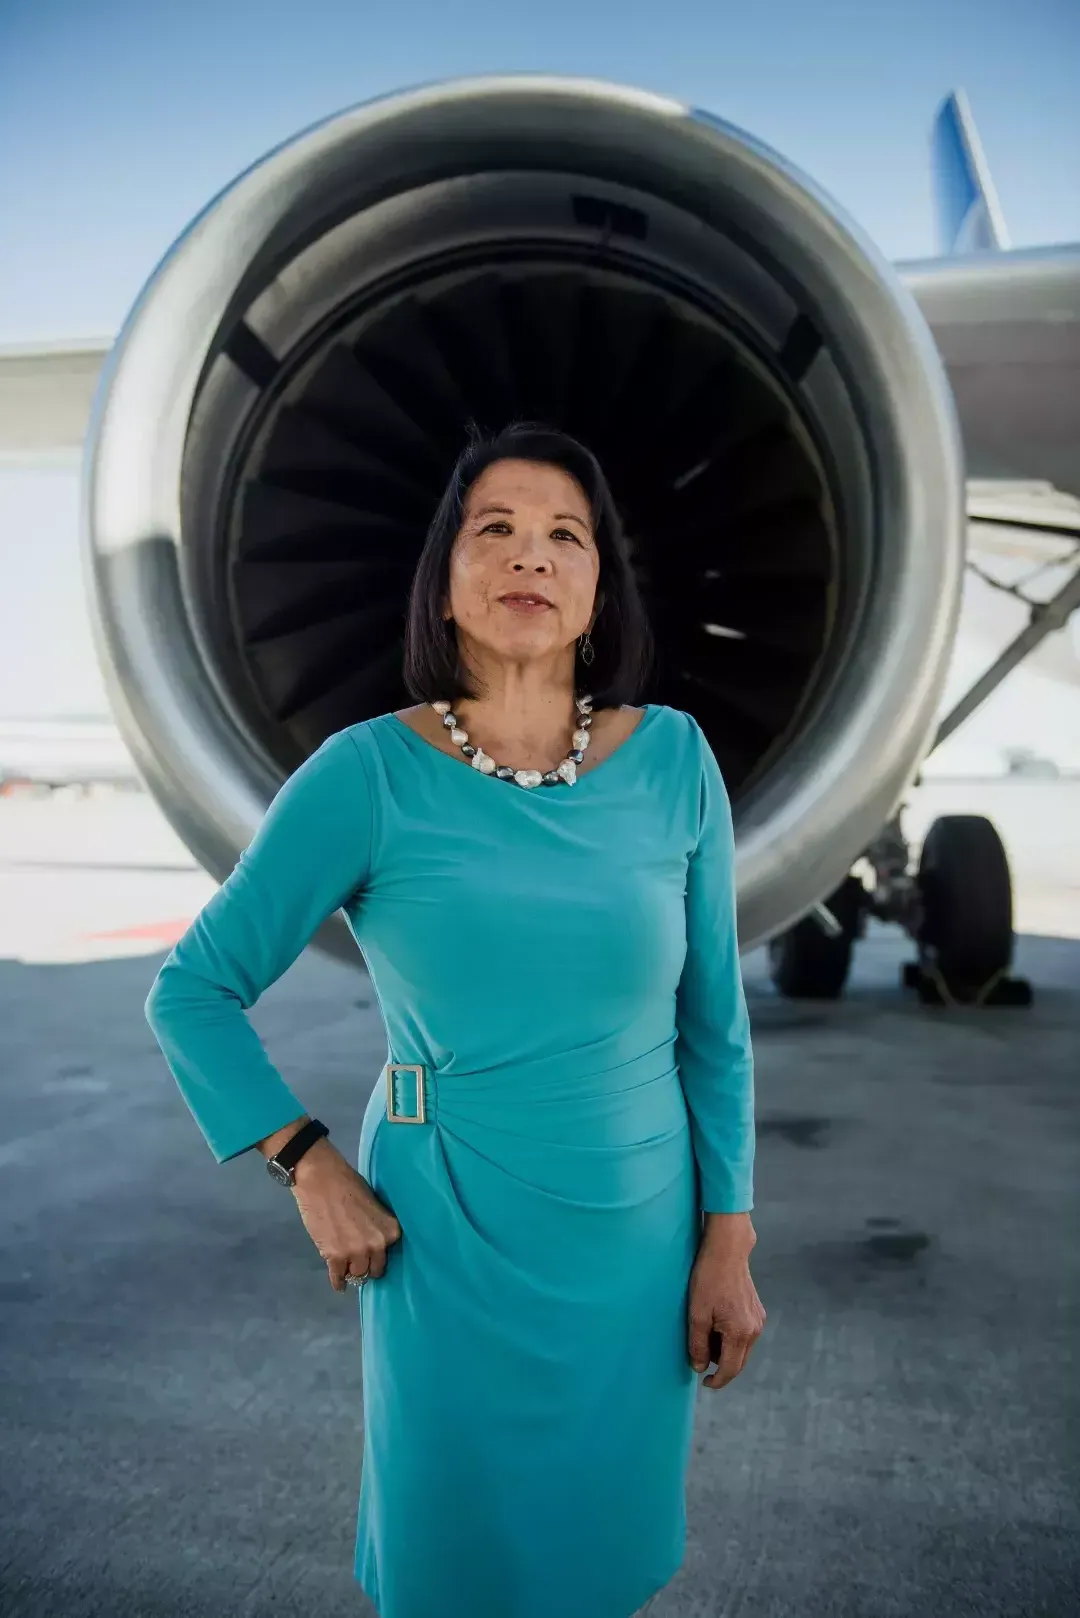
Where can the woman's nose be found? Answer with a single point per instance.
(532, 561)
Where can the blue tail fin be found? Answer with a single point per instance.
(969, 215)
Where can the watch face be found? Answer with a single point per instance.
(282, 1175)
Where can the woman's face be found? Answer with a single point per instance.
(526, 529)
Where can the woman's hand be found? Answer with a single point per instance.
(350, 1227)
(725, 1312)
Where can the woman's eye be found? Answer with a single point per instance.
(500, 527)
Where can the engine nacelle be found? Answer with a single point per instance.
(283, 405)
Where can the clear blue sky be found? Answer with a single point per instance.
(119, 119)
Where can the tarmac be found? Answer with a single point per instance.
(180, 1388)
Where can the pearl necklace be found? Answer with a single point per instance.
(565, 772)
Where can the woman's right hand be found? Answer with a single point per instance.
(350, 1227)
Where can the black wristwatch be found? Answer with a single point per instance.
(282, 1165)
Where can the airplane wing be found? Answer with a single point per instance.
(45, 396)
(1007, 326)
(1006, 323)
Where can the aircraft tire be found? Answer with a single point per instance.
(804, 962)
(967, 926)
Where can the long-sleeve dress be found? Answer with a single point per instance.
(563, 963)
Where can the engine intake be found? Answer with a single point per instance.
(285, 401)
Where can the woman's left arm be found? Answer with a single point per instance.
(716, 1066)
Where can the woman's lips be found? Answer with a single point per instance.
(520, 604)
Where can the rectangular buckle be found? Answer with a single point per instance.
(420, 1116)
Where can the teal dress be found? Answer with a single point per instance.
(562, 963)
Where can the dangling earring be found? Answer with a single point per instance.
(587, 650)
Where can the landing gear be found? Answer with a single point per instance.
(957, 907)
(965, 934)
(811, 960)
(967, 898)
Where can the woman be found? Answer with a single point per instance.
(542, 888)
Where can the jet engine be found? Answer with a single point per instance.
(281, 409)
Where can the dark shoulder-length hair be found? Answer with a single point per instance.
(621, 638)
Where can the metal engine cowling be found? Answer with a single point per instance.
(282, 407)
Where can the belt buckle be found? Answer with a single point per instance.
(420, 1115)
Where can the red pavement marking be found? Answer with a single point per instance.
(165, 932)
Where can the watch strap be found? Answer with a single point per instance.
(295, 1147)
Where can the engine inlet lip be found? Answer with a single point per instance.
(213, 781)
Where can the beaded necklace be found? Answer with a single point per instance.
(564, 773)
